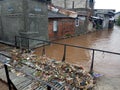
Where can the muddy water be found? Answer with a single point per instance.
(105, 40)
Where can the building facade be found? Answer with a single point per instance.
(60, 26)
(84, 8)
(107, 17)
(26, 18)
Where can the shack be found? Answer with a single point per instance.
(106, 16)
(60, 25)
(84, 8)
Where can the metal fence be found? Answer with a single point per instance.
(44, 42)
(47, 85)
(12, 86)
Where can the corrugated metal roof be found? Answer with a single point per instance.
(56, 15)
(62, 11)
(82, 13)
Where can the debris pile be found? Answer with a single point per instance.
(49, 70)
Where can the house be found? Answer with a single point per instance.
(26, 18)
(60, 25)
(84, 8)
(106, 18)
(64, 22)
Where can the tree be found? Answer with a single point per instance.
(118, 21)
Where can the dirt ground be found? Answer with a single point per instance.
(3, 86)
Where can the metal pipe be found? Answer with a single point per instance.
(64, 55)
(43, 51)
(15, 41)
(28, 46)
(48, 88)
(72, 45)
(92, 63)
(7, 76)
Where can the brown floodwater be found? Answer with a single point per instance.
(105, 63)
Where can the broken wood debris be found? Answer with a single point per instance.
(48, 70)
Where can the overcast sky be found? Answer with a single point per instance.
(107, 4)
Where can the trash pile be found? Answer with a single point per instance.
(72, 76)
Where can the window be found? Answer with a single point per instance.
(10, 9)
(77, 22)
(37, 9)
(55, 26)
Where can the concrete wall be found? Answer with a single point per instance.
(82, 28)
(90, 26)
(28, 18)
(69, 3)
(105, 22)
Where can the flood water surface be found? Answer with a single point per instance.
(105, 63)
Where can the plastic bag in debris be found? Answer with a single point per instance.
(96, 75)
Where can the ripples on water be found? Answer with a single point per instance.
(105, 40)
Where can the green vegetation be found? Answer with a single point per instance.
(68, 35)
(118, 21)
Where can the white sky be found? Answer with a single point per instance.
(107, 4)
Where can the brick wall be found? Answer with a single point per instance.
(65, 27)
